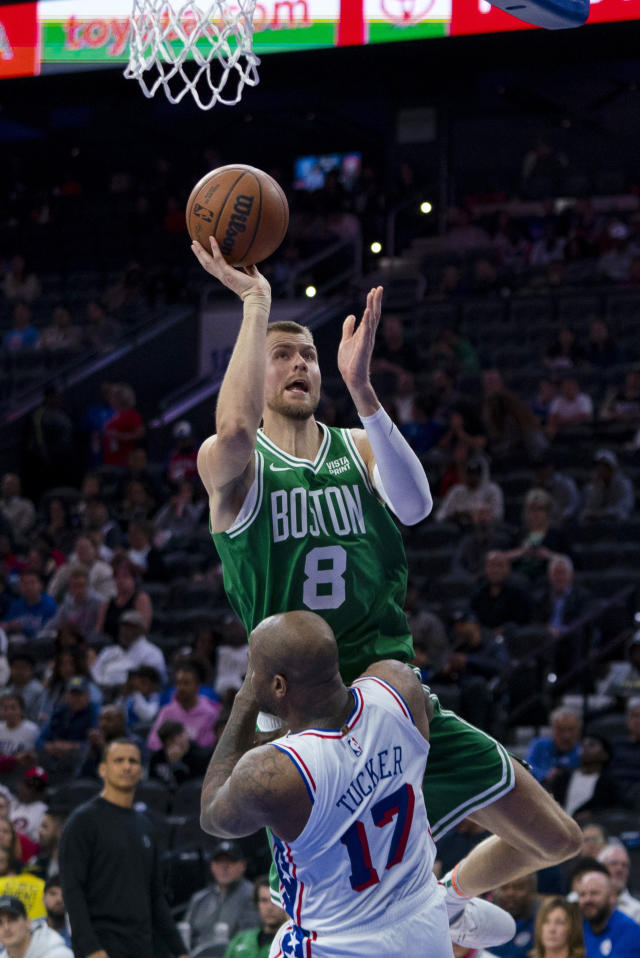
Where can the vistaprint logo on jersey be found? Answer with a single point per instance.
(336, 466)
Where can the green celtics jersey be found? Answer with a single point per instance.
(314, 535)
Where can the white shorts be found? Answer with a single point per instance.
(423, 931)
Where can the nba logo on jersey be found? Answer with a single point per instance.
(355, 747)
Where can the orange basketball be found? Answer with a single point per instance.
(244, 208)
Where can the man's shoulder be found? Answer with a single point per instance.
(622, 924)
(89, 812)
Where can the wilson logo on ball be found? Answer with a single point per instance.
(237, 221)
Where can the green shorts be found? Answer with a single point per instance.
(466, 770)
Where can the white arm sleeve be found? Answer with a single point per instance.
(398, 474)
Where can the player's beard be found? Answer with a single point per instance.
(293, 410)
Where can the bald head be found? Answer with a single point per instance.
(295, 656)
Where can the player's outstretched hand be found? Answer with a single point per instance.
(356, 345)
(240, 280)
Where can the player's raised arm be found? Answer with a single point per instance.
(395, 470)
(226, 458)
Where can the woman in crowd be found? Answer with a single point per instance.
(128, 596)
(558, 931)
(540, 541)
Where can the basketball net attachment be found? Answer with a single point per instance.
(206, 51)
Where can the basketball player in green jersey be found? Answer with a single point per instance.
(299, 515)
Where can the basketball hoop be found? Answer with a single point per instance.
(206, 51)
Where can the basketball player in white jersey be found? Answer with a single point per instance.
(341, 793)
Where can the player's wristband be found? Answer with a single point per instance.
(398, 474)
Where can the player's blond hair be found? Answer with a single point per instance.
(289, 326)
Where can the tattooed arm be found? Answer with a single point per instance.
(246, 788)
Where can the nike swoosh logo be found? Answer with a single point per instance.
(275, 468)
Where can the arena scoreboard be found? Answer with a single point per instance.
(55, 35)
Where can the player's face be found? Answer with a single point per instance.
(292, 375)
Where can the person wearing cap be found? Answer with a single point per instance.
(22, 939)
(609, 495)
(475, 489)
(28, 889)
(227, 905)
(63, 737)
(110, 869)
(114, 663)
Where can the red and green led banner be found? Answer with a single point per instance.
(36, 36)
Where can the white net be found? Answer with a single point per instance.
(205, 51)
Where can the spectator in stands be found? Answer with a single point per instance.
(80, 606)
(558, 930)
(623, 404)
(430, 642)
(475, 665)
(609, 495)
(562, 489)
(58, 523)
(19, 512)
(125, 429)
(602, 351)
(196, 712)
(60, 334)
(510, 425)
(547, 756)
(110, 869)
(97, 518)
(614, 264)
(27, 806)
(142, 553)
(23, 681)
(56, 912)
(228, 901)
(67, 663)
(128, 597)
(564, 352)
(616, 858)
(423, 430)
(20, 938)
(114, 663)
(179, 759)
(570, 408)
(625, 764)
(101, 331)
(63, 737)
(49, 450)
(540, 540)
(547, 391)
(95, 418)
(16, 845)
(138, 468)
(453, 349)
(255, 942)
(487, 535)
(606, 930)
(623, 678)
(520, 899)
(594, 838)
(559, 606)
(100, 573)
(18, 735)
(497, 601)
(463, 234)
(587, 788)
(180, 516)
(231, 657)
(112, 727)
(19, 284)
(142, 703)
(31, 612)
(476, 489)
(45, 863)
(581, 865)
(465, 427)
(23, 335)
(183, 456)
(392, 354)
(138, 502)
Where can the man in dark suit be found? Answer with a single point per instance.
(561, 605)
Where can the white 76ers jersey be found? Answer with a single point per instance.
(367, 841)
